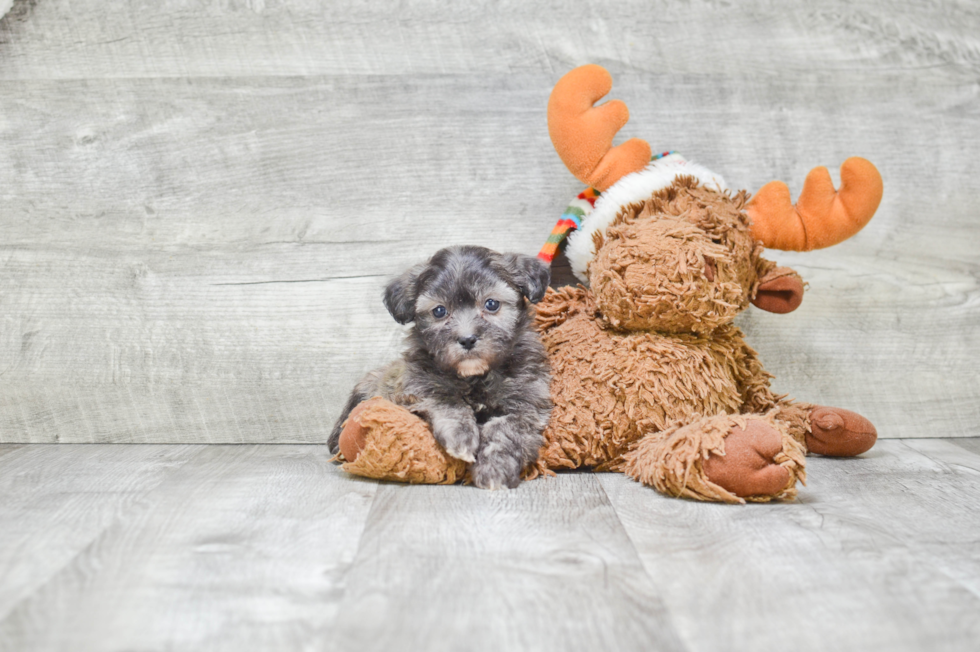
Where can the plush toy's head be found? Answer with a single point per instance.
(662, 242)
(683, 260)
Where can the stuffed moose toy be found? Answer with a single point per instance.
(650, 376)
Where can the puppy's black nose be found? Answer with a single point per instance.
(467, 342)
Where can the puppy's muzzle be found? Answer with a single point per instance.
(467, 342)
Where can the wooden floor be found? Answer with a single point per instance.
(260, 547)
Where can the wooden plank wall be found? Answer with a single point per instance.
(201, 201)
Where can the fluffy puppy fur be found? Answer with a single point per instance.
(474, 368)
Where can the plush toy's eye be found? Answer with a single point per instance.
(439, 312)
(492, 305)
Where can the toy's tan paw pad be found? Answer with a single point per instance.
(748, 467)
(839, 433)
(353, 438)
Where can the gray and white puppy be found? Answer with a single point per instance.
(474, 369)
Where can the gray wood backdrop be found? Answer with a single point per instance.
(201, 201)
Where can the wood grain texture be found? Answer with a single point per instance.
(972, 444)
(149, 547)
(85, 39)
(57, 501)
(879, 552)
(547, 566)
(177, 547)
(201, 203)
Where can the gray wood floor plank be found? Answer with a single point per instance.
(8, 449)
(955, 551)
(110, 547)
(543, 567)
(879, 552)
(84, 39)
(972, 444)
(238, 548)
(55, 501)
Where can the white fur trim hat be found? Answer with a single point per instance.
(632, 188)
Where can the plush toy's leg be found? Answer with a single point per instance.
(384, 441)
(725, 458)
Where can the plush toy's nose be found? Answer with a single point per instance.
(467, 342)
(780, 291)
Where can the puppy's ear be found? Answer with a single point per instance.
(401, 294)
(531, 274)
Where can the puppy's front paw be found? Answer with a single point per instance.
(461, 453)
(501, 474)
(462, 440)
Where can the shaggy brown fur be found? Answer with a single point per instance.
(611, 387)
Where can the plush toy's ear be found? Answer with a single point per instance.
(531, 274)
(401, 294)
(780, 291)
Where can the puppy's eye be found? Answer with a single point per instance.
(439, 312)
(492, 305)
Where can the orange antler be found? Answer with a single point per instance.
(822, 216)
(583, 133)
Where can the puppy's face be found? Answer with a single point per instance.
(468, 304)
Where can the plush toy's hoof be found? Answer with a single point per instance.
(748, 468)
(839, 433)
(353, 438)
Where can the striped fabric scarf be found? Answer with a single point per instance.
(571, 218)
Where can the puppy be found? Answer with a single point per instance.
(474, 369)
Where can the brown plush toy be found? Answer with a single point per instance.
(650, 376)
